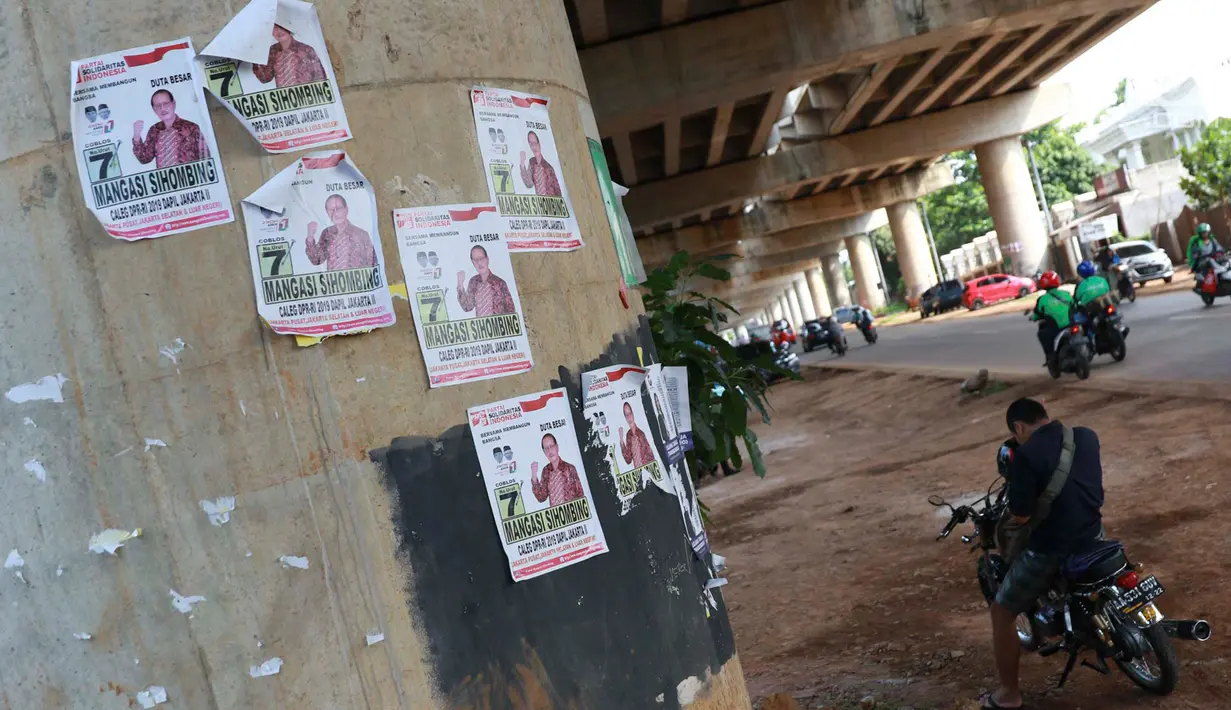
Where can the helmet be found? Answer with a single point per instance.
(1203, 229)
(1004, 456)
(1049, 280)
(1086, 269)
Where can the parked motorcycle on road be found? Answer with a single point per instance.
(1213, 277)
(1100, 602)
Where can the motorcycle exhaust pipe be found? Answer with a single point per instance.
(1188, 630)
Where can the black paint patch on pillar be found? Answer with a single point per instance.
(612, 632)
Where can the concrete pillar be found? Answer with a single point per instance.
(804, 294)
(867, 278)
(741, 334)
(1136, 159)
(820, 295)
(835, 277)
(792, 301)
(775, 310)
(1014, 207)
(292, 431)
(914, 254)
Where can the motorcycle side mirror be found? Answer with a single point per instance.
(937, 501)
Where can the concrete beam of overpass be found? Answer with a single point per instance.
(782, 274)
(644, 80)
(812, 235)
(917, 138)
(849, 208)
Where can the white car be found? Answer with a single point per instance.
(1145, 262)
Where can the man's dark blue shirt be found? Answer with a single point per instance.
(1075, 520)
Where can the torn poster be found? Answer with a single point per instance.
(677, 467)
(313, 281)
(536, 483)
(523, 170)
(676, 379)
(49, 388)
(144, 144)
(470, 327)
(613, 403)
(270, 67)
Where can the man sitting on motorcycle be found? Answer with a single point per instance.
(1071, 525)
(1201, 247)
(1092, 287)
(1052, 311)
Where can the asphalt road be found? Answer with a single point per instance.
(1174, 336)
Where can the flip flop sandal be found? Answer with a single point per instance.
(988, 702)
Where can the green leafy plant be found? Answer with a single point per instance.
(1209, 166)
(722, 387)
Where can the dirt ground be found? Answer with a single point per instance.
(838, 589)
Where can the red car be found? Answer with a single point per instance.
(987, 290)
(784, 334)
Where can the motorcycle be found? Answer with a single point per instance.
(1124, 285)
(1107, 331)
(1071, 351)
(1099, 602)
(869, 333)
(837, 345)
(1213, 278)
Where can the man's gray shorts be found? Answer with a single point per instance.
(1028, 579)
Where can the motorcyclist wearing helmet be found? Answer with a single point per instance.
(1201, 247)
(1092, 287)
(1052, 311)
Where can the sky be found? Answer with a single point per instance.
(1160, 48)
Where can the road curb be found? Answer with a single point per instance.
(1209, 390)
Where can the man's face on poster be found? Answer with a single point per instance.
(478, 257)
(422, 259)
(164, 106)
(432, 258)
(535, 148)
(551, 449)
(337, 210)
(91, 114)
(104, 112)
(628, 416)
(283, 36)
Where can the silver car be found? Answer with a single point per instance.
(1145, 262)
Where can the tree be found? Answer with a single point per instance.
(882, 237)
(959, 213)
(1121, 92)
(1209, 166)
(1065, 168)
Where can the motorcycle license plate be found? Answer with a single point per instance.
(1146, 591)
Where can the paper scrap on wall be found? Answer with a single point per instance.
(270, 67)
(536, 483)
(678, 474)
(314, 245)
(523, 170)
(613, 405)
(676, 379)
(144, 144)
(464, 298)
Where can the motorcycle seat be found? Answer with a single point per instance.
(1102, 560)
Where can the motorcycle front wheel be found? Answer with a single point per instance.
(1082, 368)
(1158, 672)
(1119, 349)
(1207, 299)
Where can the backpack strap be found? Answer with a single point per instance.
(1059, 477)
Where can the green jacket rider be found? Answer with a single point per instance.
(1202, 244)
(1056, 304)
(1092, 286)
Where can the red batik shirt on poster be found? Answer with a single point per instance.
(558, 485)
(487, 298)
(182, 143)
(290, 67)
(635, 449)
(349, 248)
(542, 177)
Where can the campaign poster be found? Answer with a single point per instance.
(614, 406)
(314, 244)
(270, 67)
(144, 145)
(523, 170)
(676, 378)
(459, 279)
(536, 482)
